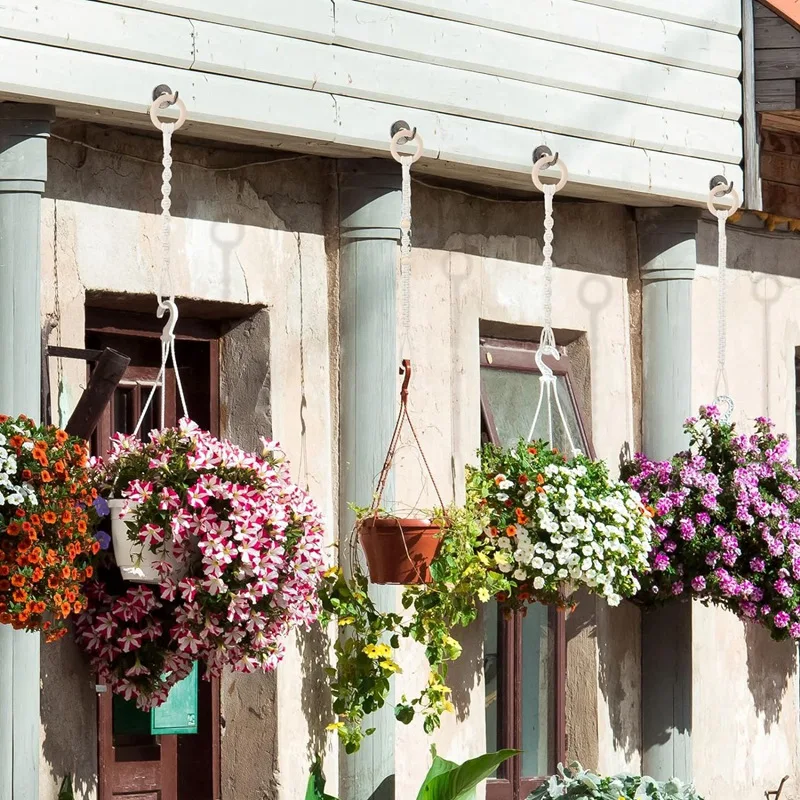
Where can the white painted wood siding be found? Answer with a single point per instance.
(653, 92)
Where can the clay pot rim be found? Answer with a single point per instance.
(395, 524)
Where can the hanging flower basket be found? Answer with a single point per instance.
(558, 524)
(47, 544)
(399, 550)
(238, 551)
(727, 514)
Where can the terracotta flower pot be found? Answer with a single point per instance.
(399, 550)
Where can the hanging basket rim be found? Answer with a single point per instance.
(390, 524)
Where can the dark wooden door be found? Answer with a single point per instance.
(141, 766)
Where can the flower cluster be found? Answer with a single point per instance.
(727, 515)
(240, 550)
(556, 523)
(46, 522)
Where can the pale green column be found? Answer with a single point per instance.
(667, 259)
(23, 170)
(369, 213)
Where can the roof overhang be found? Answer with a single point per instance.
(788, 9)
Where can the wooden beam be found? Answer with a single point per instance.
(752, 177)
(96, 396)
(780, 168)
(781, 199)
(781, 123)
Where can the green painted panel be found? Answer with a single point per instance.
(179, 713)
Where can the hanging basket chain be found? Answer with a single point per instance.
(548, 389)
(719, 189)
(166, 299)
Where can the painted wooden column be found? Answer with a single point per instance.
(369, 212)
(667, 259)
(23, 170)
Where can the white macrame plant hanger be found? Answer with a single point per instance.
(720, 188)
(548, 388)
(166, 302)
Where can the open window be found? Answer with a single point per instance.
(525, 653)
(133, 763)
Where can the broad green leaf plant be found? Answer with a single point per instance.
(366, 650)
(445, 779)
(576, 783)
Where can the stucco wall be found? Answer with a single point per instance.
(265, 237)
(260, 237)
(745, 720)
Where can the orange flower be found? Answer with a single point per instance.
(50, 518)
(511, 530)
(5, 618)
(13, 529)
(66, 517)
(82, 526)
(40, 607)
(540, 479)
(19, 595)
(522, 518)
(35, 520)
(66, 608)
(18, 580)
(71, 595)
(532, 450)
(77, 607)
(16, 441)
(493, 532)
(66, 572)
(26, 474)
(540, 489)
(52, 581)
(4, 570)
(61, 436)
(59, 467)
(38, 574)
(46, 476)
(88, 572)
(52, 557)
(95, 547)
(77, 449)
(523, 479)
(649, 511)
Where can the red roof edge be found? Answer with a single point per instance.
(788, 9)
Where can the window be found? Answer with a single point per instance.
(136, 764)
(524, 653)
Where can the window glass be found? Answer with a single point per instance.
(537, 690)
(491, 662)
(513, 395)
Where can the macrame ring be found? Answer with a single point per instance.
(716, 195)
(411, 137)
(158, 105)
(543, 163)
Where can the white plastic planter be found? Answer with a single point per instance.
(135, 562)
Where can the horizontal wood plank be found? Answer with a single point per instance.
(479, 49)
(780, 122)
(772, 142)
(777, 64)
(80, 25)
(594, 167)
(594, 27)
(780, 168)
(773, 33)
(717, 15)
(458, 92)
(307, 19)
(105, 89)
(781, 199)
(777, 95)
(287, 61)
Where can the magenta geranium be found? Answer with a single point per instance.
(727, 515)
(240, 555)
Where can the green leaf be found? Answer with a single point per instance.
(66, 792)
(459, 782)
(404, 713)
(316, 785)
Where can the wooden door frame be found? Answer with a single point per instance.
(143, 326)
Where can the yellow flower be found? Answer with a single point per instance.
(347, 620)
(371, 651)
(387, 663)
(335, 726)
(448, 706)
(483, 594)
(331, 572)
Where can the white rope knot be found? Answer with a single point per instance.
(722, 214)
(166, 304)
(548, 388)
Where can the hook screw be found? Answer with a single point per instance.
(163, 89)
(543, 150)
(402, 125)
(720, 180)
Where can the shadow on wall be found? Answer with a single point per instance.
(466, 672)
(314, 692)
(69, 721)
(770, 666)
